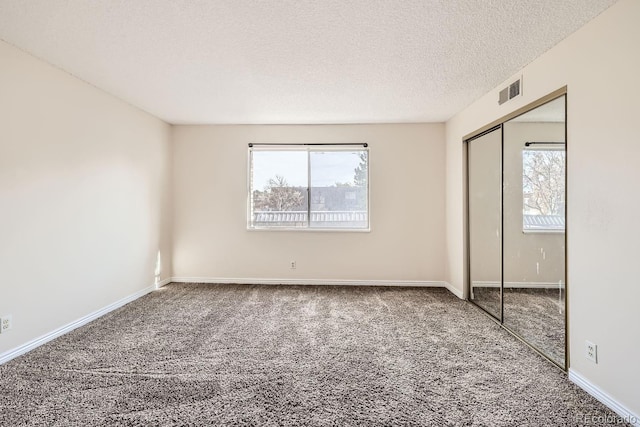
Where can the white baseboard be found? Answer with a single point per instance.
(164, 282)
(24, 348)
(603, 397)
(516, 285)
(329, 282)
(457, 292)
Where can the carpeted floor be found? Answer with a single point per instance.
(193, 354)
(537, 315)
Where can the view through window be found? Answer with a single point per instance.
(309, 188)
(543, 190)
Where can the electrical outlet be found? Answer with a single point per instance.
(6, 323)
(591, 351)
(292, 265)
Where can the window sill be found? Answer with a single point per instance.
(543, 231)
(311, 230)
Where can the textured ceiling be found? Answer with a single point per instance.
(293, 61)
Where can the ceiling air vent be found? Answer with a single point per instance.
(514, 89)
(510, 92)
(504, 96)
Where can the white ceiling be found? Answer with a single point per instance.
(293, 61)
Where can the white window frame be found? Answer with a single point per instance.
(308, 148)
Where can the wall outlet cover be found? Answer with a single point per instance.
(6, 323)
(591, 351)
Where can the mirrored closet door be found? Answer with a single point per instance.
(516, 225)
(485, 221)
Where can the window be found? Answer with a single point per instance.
(296, 187)
(543, 190)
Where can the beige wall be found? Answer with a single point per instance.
(599, 64)
(407, 207)
(83, 197)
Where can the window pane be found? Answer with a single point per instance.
(339, 190)
(279, 188)
(543, 190)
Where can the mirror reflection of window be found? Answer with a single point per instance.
(543, 189)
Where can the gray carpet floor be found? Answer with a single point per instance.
(194, 354)
(537, 315)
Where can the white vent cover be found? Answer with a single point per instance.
(510, 92)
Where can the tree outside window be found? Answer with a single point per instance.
(543, 189)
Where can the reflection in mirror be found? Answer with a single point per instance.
(485, 221)
(534, 227)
